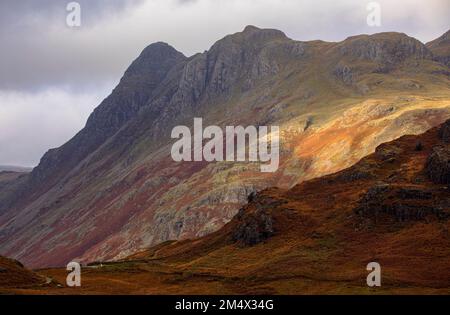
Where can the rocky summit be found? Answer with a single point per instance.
(113, 189)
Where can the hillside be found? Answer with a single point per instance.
(18, 169)
(113, 189)
(440, 47)
(13, 276)
(392, 207)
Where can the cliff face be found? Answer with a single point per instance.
(114, 188)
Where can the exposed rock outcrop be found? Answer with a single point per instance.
(255, 222)
(387, 152)
(438, 165)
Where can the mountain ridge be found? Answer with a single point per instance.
(441, 48)
(113, 189)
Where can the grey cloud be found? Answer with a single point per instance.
(39, 50)
(32, 123)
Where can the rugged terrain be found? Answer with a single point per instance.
(12, 168)
(392, 207)
(113, 189)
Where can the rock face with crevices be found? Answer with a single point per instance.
(438, 165)
(406, 198)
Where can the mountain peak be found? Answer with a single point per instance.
(387, 48)
(251, 36)
(252, 32)
(153, 56)
(251, 28)
(443, 38)
(159, 46)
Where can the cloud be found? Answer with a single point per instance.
(32, 123)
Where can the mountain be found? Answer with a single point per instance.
(441, 48)
(392, 207)
(114, 189)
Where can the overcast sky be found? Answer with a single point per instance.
(52, 76)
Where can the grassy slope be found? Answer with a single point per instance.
(14, 276)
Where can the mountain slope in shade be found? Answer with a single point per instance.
(113, 189)
(392, 207)
(389, 208)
